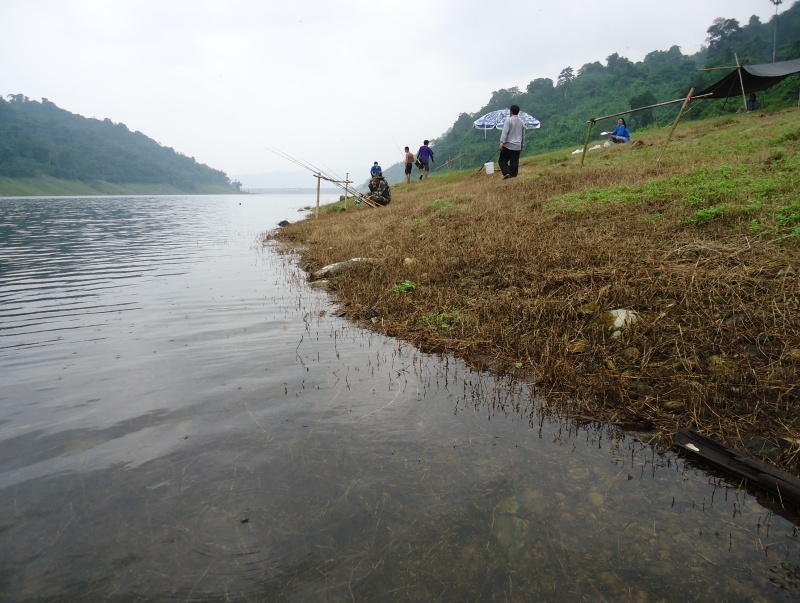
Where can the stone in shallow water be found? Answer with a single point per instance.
(596, 499)
(578, 473)
(511, 534)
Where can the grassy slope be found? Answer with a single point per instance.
(46, 186)
(514, 276)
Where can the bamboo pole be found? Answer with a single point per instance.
(592, 121)
(367, 200)
(318, 176)
(672, 102)
(346, 182)
(586, 144)
(677, 119)
(716, 68)
(741, 81)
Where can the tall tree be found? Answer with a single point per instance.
(566, 76)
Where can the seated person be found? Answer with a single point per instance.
(379, 190)
(376, 169)
(752, 103)
(621, 133)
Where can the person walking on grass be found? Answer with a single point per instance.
(425, 156)
(512, 141)
(409, 164)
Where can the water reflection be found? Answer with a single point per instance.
(272, 451)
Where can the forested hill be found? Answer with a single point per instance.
(39, 140)
(598, 89)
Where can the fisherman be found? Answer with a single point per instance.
(512, 141)
(409, 164)
(379, 190)
(376, 169)
(424, 159)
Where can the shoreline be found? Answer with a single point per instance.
(45, 186)
(626, 291)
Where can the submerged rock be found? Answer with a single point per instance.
(510, 531)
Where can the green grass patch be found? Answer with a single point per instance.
(404, 287)
(450, 203)
(441, 321)
(763, 195)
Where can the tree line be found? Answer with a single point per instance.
(597, 89)
(41, 139)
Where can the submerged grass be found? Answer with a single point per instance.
(516, 276)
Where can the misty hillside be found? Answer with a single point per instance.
(39, 139)
(597, 89)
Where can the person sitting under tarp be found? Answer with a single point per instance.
(379, 190)
(621, 132)
(752, 102)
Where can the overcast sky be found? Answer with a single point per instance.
(337, 83)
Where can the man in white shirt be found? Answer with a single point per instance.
(512, 140)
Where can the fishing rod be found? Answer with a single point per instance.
(402, 152)
(485, 162)
(326, 174)
(297, 162)
(337, 181)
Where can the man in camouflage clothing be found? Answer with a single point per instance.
(379, 190)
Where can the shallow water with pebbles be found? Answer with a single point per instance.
(183, 418)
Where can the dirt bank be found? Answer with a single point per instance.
(664, 294)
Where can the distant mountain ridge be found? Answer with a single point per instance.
(39, 140)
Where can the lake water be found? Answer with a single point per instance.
(183, 418)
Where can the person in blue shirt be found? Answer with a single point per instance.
(752, 103)
(621, 133)
(376, 169)
(425, 156)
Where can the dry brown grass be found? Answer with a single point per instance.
(513, 280)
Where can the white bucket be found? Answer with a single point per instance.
(489, 167)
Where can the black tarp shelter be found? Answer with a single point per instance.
(751, 78)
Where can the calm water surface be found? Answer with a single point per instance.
(182, 418)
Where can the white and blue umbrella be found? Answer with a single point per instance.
(496, 119)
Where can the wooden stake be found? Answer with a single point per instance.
(586, 144)
(319, 181)
(741, 81)
(677, 119)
